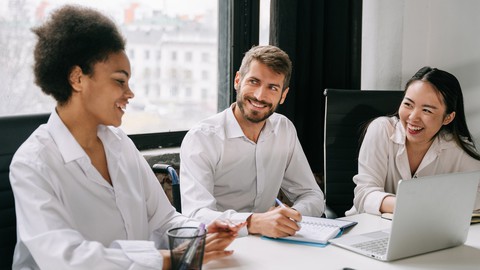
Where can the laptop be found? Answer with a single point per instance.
(431, 213)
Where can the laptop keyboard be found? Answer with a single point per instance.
(377, 246)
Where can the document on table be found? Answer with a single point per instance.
(319, 230)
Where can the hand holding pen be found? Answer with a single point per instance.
(278, 222)
(280, 203)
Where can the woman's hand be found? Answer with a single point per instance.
(225, 226)
(220, 235)
(388, 204)
(167, 263)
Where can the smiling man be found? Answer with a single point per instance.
(234, 163)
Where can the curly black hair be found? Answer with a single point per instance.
(73, 36)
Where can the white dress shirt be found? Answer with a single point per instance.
(223, 174)
(70, 217)
(383, 161)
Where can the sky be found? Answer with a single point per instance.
(113, 8)
(172, 6)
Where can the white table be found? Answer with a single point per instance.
(253, 252)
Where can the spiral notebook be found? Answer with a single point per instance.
(318, 230)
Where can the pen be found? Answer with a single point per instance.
(280, 203)
(283, 206)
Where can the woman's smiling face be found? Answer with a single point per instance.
(423, 113)
(107, 91)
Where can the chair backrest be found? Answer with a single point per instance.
(347, 112)
(14, 130)
(172, 173)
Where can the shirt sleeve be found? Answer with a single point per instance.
(372, 168)
(299, 184)
(199, 155)
(48, 231)
(162, 216)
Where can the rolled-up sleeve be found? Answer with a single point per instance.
(372, 169)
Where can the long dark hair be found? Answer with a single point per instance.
(448, 86)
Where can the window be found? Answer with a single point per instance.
(188, 57)
(161, 36)
(173, 73)
(188, 92)
(146, 73)
(174, 91)
(188, 74)
(180, 28)
(205, 57)
(204, 93)
(264, 31)
(147, 90)
(205, 75)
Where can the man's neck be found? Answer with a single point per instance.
(250, 129)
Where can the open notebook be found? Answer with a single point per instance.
(318, 230)
(431, 213)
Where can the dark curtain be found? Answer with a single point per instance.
(323, 39)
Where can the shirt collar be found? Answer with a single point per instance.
(399, 135)
(68, 146)
(233, 129)
(66, 143)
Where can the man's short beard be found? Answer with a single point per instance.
(241, 104)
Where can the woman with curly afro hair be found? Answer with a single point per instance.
(85, 197)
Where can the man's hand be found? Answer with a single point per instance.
(278, 222)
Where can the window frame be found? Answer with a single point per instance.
(238, 31)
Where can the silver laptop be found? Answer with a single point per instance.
(431, 213)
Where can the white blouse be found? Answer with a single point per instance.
(383, 161)
(69, 217)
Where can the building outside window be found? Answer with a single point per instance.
(205, 57)
(185, 32)
(188, 57)
(174, 26)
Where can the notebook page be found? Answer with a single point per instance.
(319, 230)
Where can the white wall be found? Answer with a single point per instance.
(401, 36)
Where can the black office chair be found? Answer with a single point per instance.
(346, 114)
(14, 130)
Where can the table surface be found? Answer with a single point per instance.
(254, 252)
